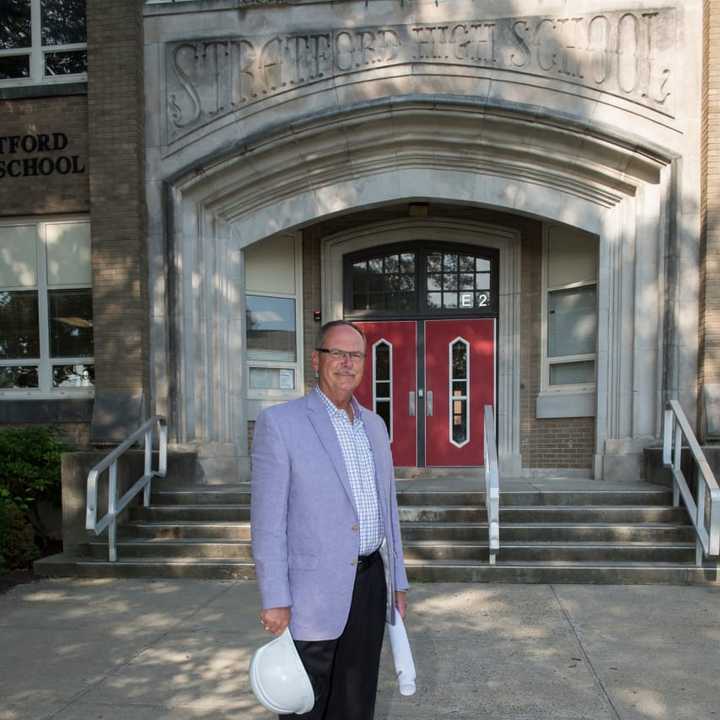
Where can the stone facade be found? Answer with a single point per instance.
(203, 132)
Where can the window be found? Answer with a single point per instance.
(570, 310)
(457, 281)
(46, 323)
(420, 278)
(42, 41)
(459, 358)
(384, 283)
(382, 382)
(273, 318)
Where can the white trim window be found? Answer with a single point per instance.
(42, 41)
(569, 310)
(273, 312)
(46, 321)
(382, 357)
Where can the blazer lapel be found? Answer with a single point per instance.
(318, 414)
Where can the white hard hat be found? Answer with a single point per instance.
(278, 677)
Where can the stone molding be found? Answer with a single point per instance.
(618, 191)
(624, 56)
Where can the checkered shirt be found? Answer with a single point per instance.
(360, 466)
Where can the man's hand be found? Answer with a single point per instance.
(401, 602)
(275, 620)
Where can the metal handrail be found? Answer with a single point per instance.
(492, 483)
(109, 462)
(676, 427)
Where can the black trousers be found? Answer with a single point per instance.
(344, 671)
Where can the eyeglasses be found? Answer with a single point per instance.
(336, 354)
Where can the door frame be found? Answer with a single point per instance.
(508, 243)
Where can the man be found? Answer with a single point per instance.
(325, 530)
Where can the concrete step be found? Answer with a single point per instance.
(225, 496)
(239, 494)
(551, 532)
(176, 548)
(67, 566)
(563, 572)
(438, 513)
(187, 530)
(593, 514)
(538, 552)
(184, 513)
(418, 571)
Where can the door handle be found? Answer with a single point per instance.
(429, 403)
(411, 403)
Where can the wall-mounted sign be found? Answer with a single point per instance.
(26, 156)
(626, 54)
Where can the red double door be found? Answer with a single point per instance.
(430, 381)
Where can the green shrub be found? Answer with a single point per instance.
(30, 464)
(29, 472)
(17, 537)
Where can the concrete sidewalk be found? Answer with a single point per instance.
(161, 650)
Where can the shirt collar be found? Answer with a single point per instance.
(334, 410)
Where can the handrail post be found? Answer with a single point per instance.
(148, 465)
(667, 437)
(677, 463)
(112, 511)
(117, 504)
(162, 442)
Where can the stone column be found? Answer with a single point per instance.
(117, 201)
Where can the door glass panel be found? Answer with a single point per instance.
(450, 300)
(459, 356)
(460, 277)
(382, 382)
(459, 392)
(407, 263)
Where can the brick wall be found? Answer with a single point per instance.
(561, 443)
(709, 366)
(116, 144)
(44, 185)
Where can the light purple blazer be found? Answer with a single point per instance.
(304, 521)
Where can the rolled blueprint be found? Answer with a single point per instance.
(402, 656)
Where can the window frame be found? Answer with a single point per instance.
(546, 361)
(45, 363)
(36, 51)
(299, 365)
(421, 248)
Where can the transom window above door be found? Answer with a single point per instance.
(421, 278)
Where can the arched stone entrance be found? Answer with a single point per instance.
(407, 151)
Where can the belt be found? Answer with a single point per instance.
(365, 561)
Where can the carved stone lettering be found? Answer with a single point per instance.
(626, 54)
